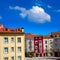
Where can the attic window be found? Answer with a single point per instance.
(18, 29)
(6, 29)
(12, 30)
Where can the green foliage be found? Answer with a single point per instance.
(29, 54)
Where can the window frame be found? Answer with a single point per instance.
(5, 58)
(6, 50)
(19, 39)
(12, 58)
(19, 50)
(19, 57)
(12, 49)
(12, 40)
(5, 39)
(45, 41)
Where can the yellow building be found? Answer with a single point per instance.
(12, 44)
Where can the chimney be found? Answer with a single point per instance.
(22, 29)
(1, 26)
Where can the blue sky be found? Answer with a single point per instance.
(36, 16)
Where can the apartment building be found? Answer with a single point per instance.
(38, 46)
(12, 43)
(48, 46)
(56, 36)
(29, 40)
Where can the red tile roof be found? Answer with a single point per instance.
(30, 35)
(47, 36)
(55, 33)
(9, 30)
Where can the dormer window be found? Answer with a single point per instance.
(6, 29)
(18, 29)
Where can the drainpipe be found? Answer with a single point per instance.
(15, 47)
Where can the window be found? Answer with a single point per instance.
(12, 58)
(45, 42)
(5, 40)
(55, 35)
(12, 49)
(51, 42)
(19, 29)
(40, 46)
(12, 39)
(6, 29)
(30, 47)
(30, 42)
(58, 45)
(46, 46)
(6, 58)
(51, 46)
(6, 50)
(19, 49)
(36, 47)
(36, 42)
(19, 57)
(40, 41)
(19, 39)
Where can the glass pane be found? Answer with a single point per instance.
(19, 57)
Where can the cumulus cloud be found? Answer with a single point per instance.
(35, 14)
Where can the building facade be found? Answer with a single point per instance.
(29, 43)
(48, 46)
(38, 46)
(12, 44)
(56, 36)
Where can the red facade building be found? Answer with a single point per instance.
(38, 46)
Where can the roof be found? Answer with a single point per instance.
(55, 33)
(10, 30)
(29, 35)
(47, 36)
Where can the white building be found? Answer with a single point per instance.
(29, 42)
(48, 46)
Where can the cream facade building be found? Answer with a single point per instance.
(12, 44)
(48, 46)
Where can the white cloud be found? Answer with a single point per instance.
(57, 10)
(35, 14)
(49, 6)
(0, 17)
